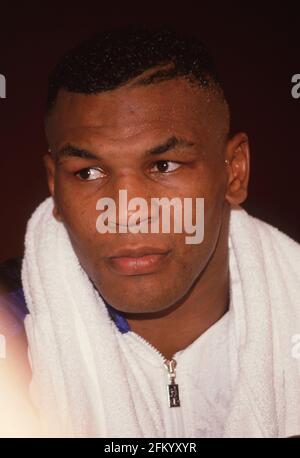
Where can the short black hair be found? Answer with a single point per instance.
(113, 58)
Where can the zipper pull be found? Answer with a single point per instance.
(173, 389)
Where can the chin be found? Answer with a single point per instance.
(143, 294)
(141, 309)
(143, 301)
(137, 305)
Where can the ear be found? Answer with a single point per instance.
(237, 158)
(50, 166)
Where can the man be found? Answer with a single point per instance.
(138, 333)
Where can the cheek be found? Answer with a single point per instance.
(209, 185)
(214, 191)
(79, 216)
(191, 259)
(212, 188)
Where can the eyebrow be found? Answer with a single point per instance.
(70, 150)
(169, 144)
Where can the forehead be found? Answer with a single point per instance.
(166, 107)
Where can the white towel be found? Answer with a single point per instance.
(83, 381)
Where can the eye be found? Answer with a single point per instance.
(166, 166)
(89, 174)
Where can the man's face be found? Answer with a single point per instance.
(123, 129)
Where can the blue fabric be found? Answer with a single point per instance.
(13, 309)
(120, 321)
(15, 303)
(18, 304)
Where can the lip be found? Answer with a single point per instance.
(138, 260)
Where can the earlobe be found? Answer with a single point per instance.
(238, 167)
(56, 213)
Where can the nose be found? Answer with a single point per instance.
(132, 196)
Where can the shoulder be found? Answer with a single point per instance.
(284, 248)
(12, 302)
(10, 274)
(13, 310)
(270, 238)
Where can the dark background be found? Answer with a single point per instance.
(256, 48)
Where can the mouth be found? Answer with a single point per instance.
(138, 260)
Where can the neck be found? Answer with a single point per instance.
(204, 305)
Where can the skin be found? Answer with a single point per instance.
(174, 305)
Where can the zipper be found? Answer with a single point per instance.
(173, 397)
(173, 390)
